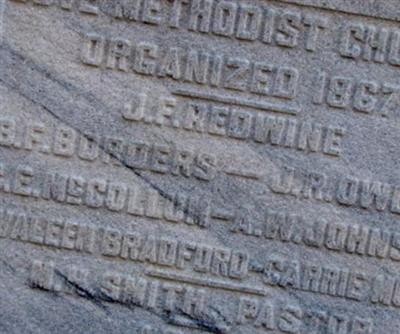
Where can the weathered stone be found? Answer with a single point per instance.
(199, 166)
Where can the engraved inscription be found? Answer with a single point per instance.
(199, 166)
(83, 6)
(322, 233)
(190, 66)
(266, 316)
(65, 142)
(133, 247)
(338, 282)
(101, 193)
(121, 288)
(225, 19)
(192, 303)
(365, 97)
(182, 256)
(370, 43)
(234, 123)
(345, 190)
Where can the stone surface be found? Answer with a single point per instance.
(199, 166)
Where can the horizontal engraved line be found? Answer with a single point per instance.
(221, 214)
(180, 321)
(237, 101)
(381, 16)
(238, 173)
(205, 283)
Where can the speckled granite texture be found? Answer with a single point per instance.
(199, 166)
